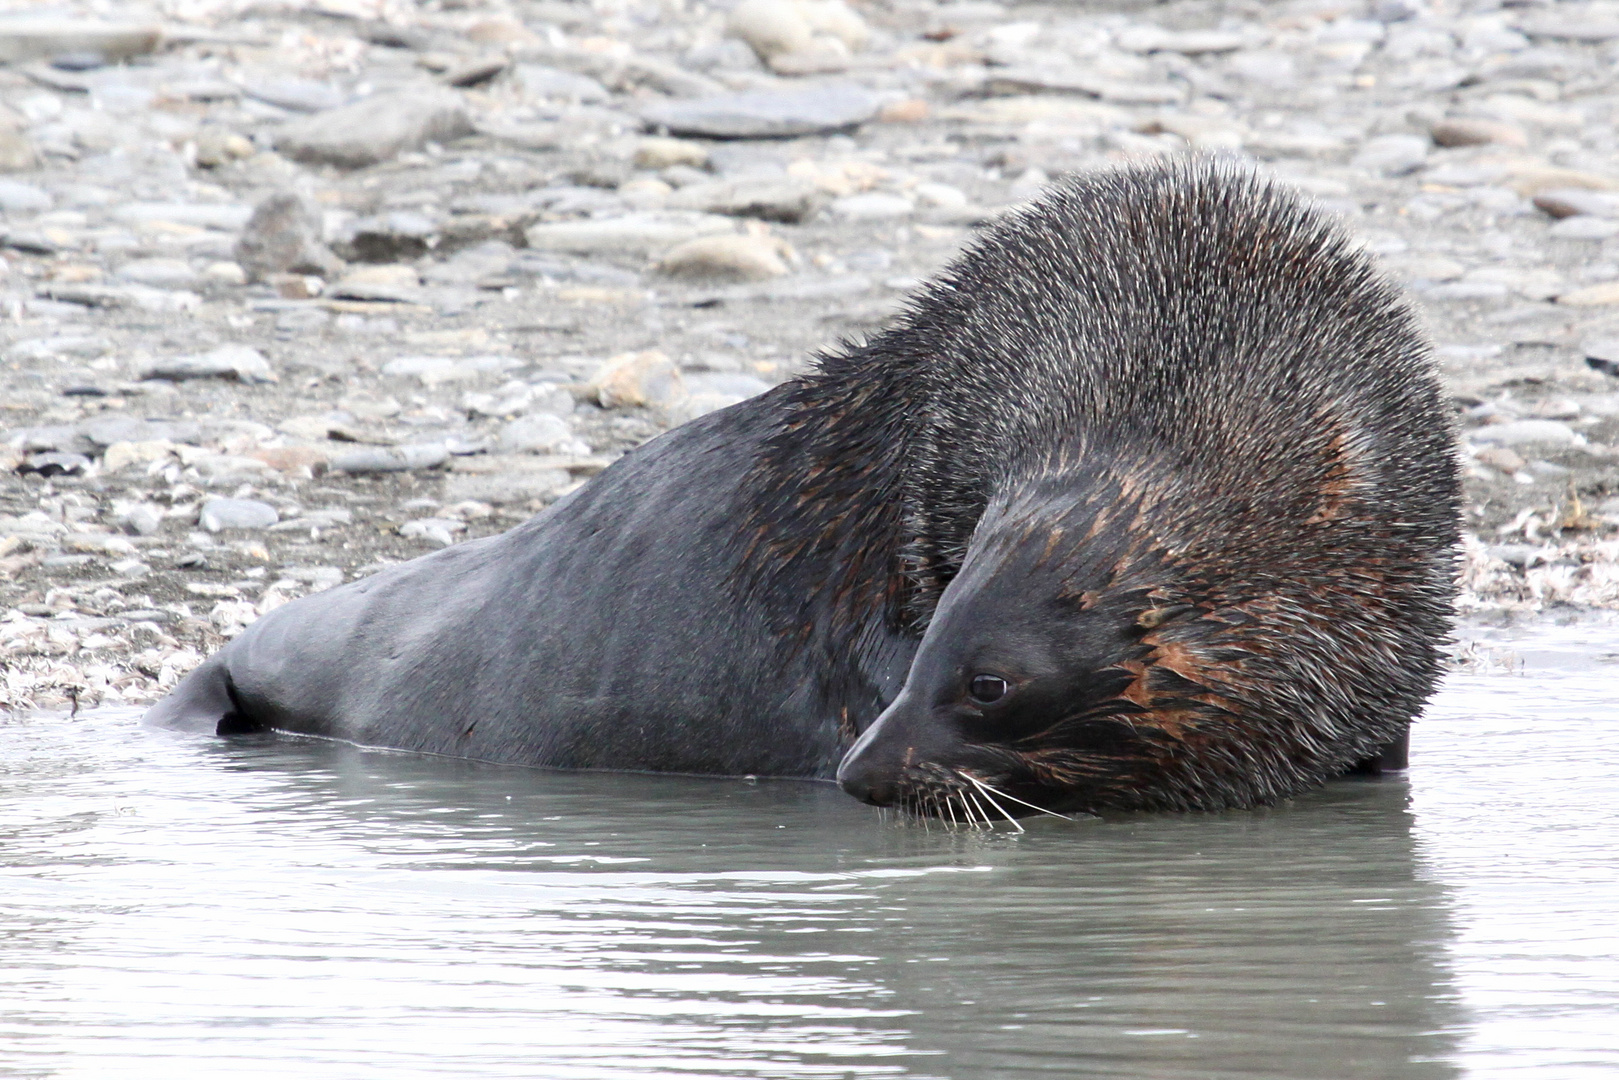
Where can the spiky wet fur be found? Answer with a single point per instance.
(1174, 388)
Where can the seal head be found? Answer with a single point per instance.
(1220, 572)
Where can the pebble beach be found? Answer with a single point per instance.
(294, 291)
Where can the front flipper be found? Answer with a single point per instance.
(1391, 757)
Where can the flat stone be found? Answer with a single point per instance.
(38, 38)
(640, 235)
(220, 514)
(226, 217)
(872, 205)
(509, 485)
(768, 114)
(240, 362)
(111, 428)
(785, 200)
(17, 197)
(1186, 42)
(540, 433)
(380, 459)
(1572, 202)
(159, 272)
(1592, 295)
(1392, 155)
(85, 346)
(1527, 432)
(1584, 227)
(554, 84)
(1569, 26)
(293, 93)
(376, 129)
(432, 370)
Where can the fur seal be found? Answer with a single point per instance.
(1147, 502)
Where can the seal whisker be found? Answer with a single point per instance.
(999, 808)
(988, 789)
(980, 817)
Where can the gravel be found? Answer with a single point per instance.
(291, 296)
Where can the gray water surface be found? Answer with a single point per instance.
(173, 906)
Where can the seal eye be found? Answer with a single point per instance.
(988, 689)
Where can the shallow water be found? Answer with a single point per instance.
(180, 906)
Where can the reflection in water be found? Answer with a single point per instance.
(179, 906)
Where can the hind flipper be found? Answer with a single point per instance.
(203, 702)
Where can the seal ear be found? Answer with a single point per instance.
(1153, 618)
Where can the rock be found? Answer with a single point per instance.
(293, 459)
(1144, 39)
(1569, 26)
(872, 205)
(294, 94)
(216, 147)
(553, 84)
(110, 428)
(768, 114)
(161, 273)
(227, 217)
(376, 129)
(220, 514)
(728, 258)
(87, 346)
(17, 152)
(391, 237)
(433, 370)
(1584, 228)
(381, 459)
(1572, 202)
(1499, 457)
(637, 379)
(659, 153)
(940, 196)
(508, 479)
(1526, 432)
(1592, 295)
(540, 433)
(121, 455)
(640, 234)
(1392, 155)
(54, 463)
(476, 72)
(42, 37)
(240, 362)
(786, 200)
(439, 530)
(224, 272)
(804, 29)
(17, 197)
(284, 236)
(1465, 131)
(142, 519)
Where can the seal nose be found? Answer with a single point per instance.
(859, 779)
(869, 770)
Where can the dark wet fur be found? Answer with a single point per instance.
(1173, 390)
(1165, 389)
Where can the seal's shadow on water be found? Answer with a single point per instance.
(1300, 941)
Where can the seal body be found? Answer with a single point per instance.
(1147, 502)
